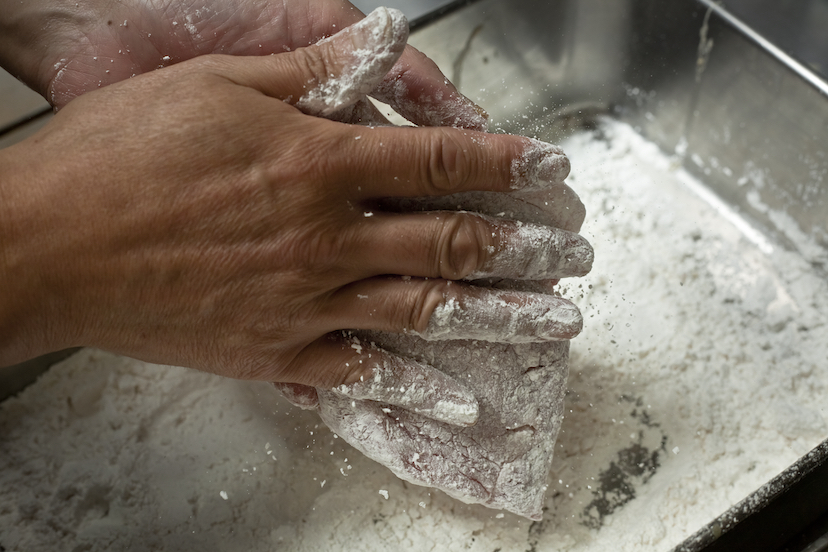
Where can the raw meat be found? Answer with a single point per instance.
(503, 460)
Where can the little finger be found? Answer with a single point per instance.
(363, 371)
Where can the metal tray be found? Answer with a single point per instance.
(681, 73)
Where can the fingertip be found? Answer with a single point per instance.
(417, 89)
(577, 257)
(417, 387)
(565, 321)
(539, 165)
(502, 316)
(480, 120)
(303, 396)
(534, 252)
(558, 206)
(355, 61)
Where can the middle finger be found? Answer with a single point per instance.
(418, 162)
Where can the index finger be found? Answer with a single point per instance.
(419, 162)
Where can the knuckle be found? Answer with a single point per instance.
(464, 244)
(274, 336)
(308, 168)
(298, 321)
(321, 252)
(448, 164)
(426, 299)
(339, 363)
(252, 362)
(259, 367)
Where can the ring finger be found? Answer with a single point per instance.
(460, 245)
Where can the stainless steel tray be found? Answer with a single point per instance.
(681, 72)
(685, 74)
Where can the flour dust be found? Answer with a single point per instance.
(700, 374)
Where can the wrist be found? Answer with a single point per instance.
(35, 35)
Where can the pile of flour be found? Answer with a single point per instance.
(700, 374)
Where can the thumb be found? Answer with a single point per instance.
(332, 74)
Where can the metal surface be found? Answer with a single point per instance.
(774, 514)
(795, 26)
(729, 100)
(694, 79)
(17, 102)
(740, 113)
(411, 8)
(14, 379)
(758, 111)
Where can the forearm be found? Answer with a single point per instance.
(24, 331)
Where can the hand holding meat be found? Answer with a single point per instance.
(200, 219)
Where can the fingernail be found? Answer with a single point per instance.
(576, 256)
(302, 396)
(505, 317)
(417, 387)
(539, 165)
(535, 252)
(370, 48)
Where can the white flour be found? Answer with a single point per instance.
(377, 42)
(700, 374)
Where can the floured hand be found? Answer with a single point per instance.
(502, 460)
(198, 218)
(89, 44)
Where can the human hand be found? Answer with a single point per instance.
(192, 216)
(89, 44)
